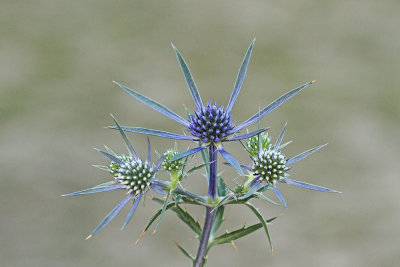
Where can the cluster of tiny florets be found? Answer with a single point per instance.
(210, 124)
(113, 167)
(172, 165)
(253, 146)
(270, 166)
(134, 175)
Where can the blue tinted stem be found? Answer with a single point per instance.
(210, 212)
(212, 183)
(205, 236)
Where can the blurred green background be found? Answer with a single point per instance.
(58, 60)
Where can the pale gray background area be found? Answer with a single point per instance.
(58, 60)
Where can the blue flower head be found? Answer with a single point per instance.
(209, 124)
(131, 174)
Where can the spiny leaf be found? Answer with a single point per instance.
(98, 188)
(240, 77)
(263, 222)
(279, 101)
(110, 216)
(189, 79)
(303, 155)
(154, 105)
(236, 234)
(195, 168)
(153, 132)
(164, 207)
(153, 218)
(128, 143)
(184, 251)
(101, 167)
(259, 195)
(187, 219)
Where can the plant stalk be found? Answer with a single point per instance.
(210, 212)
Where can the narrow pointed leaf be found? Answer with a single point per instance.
(187, 153)
(189, 79)
(154, 105)
(155, 133)
(270, 107)
(132, 211)
(248, 135)
(264, 188)
(241, 166)
(155, 216)
(284, 145)
(157, 188)
(164, 208)
(189, 195)
(93, 190)
(303, 155)
(148, 150)
(279, 140)
(195, 168)
(310, 186)
(236, 234)
(262, 220)
(110, 151)
(187, 254)
(101, 167)
(244, 146)
(110, 157)
(221, 202)
(128, 143)
(183, 215)
(240, 77)
(159, 162)
(187, 219)
(279, 195)
(231, 160)
(111, 215)
(259, 195)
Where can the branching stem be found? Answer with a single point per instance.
(210, 212)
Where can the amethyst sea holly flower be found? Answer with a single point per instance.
(270, 167)
(131, 174)
(210, 125)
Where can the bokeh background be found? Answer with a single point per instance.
(58, 60)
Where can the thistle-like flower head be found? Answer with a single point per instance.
(134, 175)
(131, 174)
(170, 165)
(211, 124)
(252, 145)
(270, 166)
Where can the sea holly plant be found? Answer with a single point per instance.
(208, 127)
